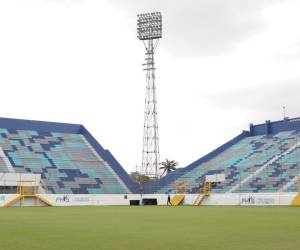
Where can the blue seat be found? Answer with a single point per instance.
(65, 160)
(243, 159)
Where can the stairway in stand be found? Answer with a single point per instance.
(204, 193)
(177, 199)
(27, 190)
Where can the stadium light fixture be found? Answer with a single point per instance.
(149, 26)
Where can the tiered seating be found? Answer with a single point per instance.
(230, 157)
(274, 145)
(292, 188)
(276, 175)
(243, 159)
(3, 168)
(66, 161)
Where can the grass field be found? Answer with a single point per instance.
(91, 228)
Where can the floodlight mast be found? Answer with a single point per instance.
(149, 30)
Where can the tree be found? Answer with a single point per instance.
(139, 178)
(168, 166)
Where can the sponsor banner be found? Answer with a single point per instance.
(244, 199)
(73, 200)
(266, 199)
(254, 200)
(87, 200)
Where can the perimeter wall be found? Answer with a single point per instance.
(233, 199)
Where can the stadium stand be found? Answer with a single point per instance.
(67, 156)
(70, 161)
(263, 159)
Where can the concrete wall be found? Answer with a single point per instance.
(234, 199)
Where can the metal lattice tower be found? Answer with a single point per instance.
(150, 31)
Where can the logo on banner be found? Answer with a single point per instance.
(2, 198)
(251, 200)
(65, 198)
(81, 199)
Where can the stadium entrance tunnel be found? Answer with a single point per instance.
(23, 189)
(150, 201)
(134, 202)
(27, 200)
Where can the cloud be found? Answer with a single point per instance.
(265, 100)
(66, 2)
(290, 54)
(202, 27)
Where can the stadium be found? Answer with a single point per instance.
(58, 164)
(61, 189)
(74, 194)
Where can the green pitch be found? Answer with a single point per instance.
(93, 228)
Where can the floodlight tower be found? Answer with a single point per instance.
(149, 30)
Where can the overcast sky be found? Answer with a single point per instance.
(221, 65)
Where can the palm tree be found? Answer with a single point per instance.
(168, 166)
